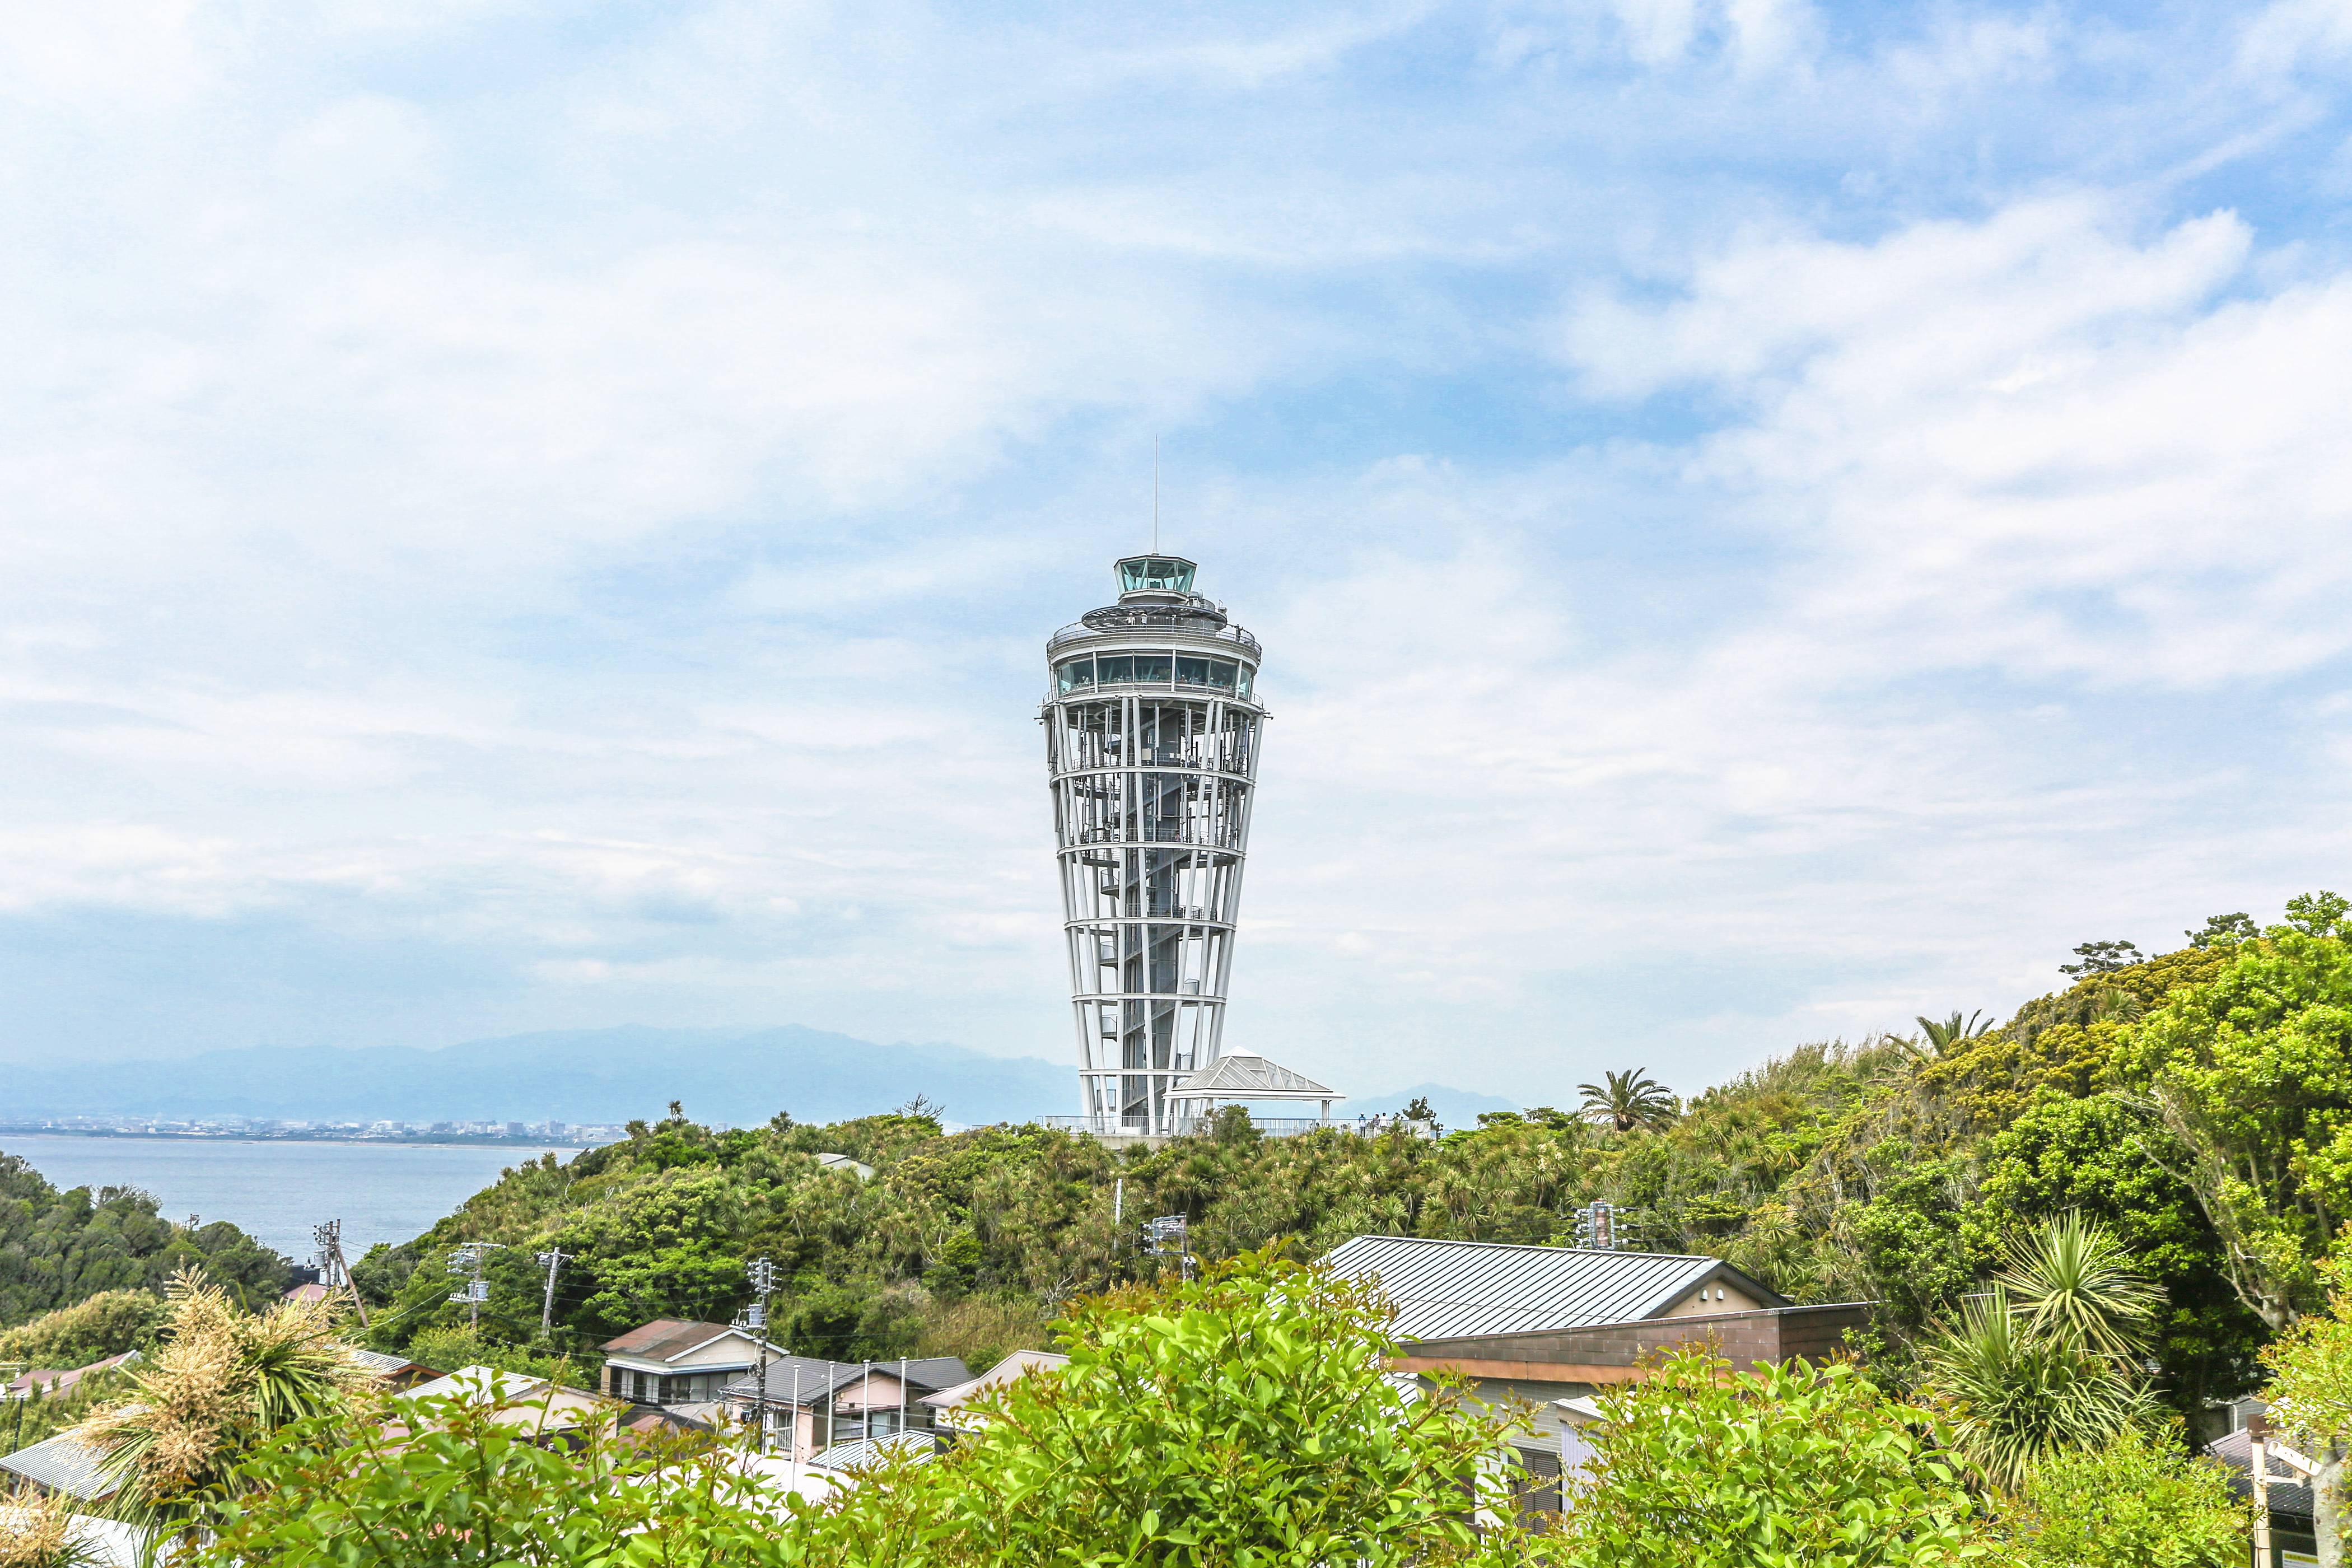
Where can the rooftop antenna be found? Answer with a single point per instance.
(1155, 495)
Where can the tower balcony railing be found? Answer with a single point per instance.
(1109, 1126)
(1160, 833)
(1158, 761)
(1231, 637)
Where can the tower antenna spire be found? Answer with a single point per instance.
(1155, 495)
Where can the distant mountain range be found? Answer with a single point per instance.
(737, 1076)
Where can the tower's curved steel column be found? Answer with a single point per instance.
(1152, 733)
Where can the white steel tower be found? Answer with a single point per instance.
(1153, 732)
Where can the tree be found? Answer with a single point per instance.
(2310, 1396)
(1627, 1101)
(223, 1381)
(1944, 1036)
(1700, 1466)
(2138, 1503)
(2102, 958)
(2224, 930)
(2319, 914)
(2250, 1075)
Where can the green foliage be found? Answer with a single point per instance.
(2224, 930)
(2047, 1361)
(60, 1248)
(452, 1484)
(109, 1323)
(1703, 1467)
(2019, 1396)
(2250, 1074)
(24, 1422)
(1244, 1418)
(447, 1347)
(2139, 1503)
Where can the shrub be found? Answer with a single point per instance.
(2137, 1503)
(1703, 1467)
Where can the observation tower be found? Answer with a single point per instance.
(1152, 733)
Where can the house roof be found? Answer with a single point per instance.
(813, 1378)
(664, 1338)
(2290, 1485)
(376, 1363)
(63, 1463)
(56, 1381)
(1019, 1364)
(312, 1292)
(1243, 1075)
(1444, 1289)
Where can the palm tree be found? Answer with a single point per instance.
(224, 1381)
(1942, 1037)
(1630, 1099)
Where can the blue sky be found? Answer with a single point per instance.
(1767, 519)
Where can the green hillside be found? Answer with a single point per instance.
(58, 1248)
(2191, 1101)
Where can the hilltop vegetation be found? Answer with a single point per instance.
(57, 1249)
(1889, 1171)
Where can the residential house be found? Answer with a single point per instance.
(809, 1404)
(544, 1409)
(2295, 1538)
(949, 1407)
(1554, 1325)
(397, 1373)
(47, 1384)
(671, 1362)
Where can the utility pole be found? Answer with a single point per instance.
(755, 1318)
(2258, 1431)
(330, 1238)
(1169, 1236)
(552, 1259)
(472, 1289)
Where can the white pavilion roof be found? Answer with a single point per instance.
(1245, 1077)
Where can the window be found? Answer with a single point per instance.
(1161, 574)
(1192, 671)
(1242, 681)
(1116, 667)
(1221, 674)
(1152, 667)
(1076, 673)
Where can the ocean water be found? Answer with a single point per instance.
(277, 1190)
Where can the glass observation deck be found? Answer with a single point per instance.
(1156, 574)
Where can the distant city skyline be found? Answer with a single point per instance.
(1776, 517)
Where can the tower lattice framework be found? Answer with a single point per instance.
(1154, 731)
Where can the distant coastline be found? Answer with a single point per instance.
(574, 1138)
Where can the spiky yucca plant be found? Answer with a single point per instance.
(38, 1533)
(2073, 1279)
(2019, 1395)
(223, 1380)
